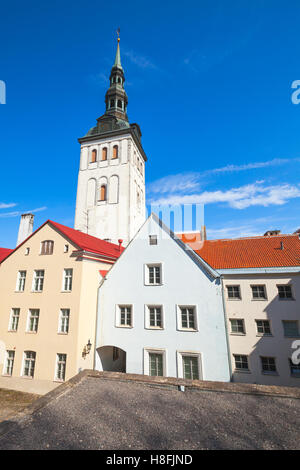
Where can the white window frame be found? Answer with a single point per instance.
(233, 298)
(60, 321)
(161, 351)
(180, 355)
(118, 315)
(147, 317)
(6, 361)
(11, 319)
(28, 320)
(35, 277)
(65, 277)
(179, 318)
(238, 333)
(23, 365)
(147, 274)
(56, 378)
(265, 292)
(19, 280)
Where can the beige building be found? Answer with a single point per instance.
(48, 292)
(261, 290)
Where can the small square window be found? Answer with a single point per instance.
(259, 292)
(285, 292)
(241, 362)
(291, 328)
(233, 292)
(263, 327)
(152, 239)
(268, 365)
(237, 326)
(47, 247)
(153, 274)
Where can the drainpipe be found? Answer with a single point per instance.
(226, 330)
(97, 320)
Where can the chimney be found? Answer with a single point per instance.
(25, 228)
(120, 243)
(203, 233)
(270, 233)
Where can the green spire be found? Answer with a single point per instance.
(118, 56)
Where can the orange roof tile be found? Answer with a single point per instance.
(252, 252)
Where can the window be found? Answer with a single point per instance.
(115, 152)
(156, 364)
(104, 153)
(64, 320)
(14, 319)
(233, 292)
(188, 318)
(68, 279)
(120, 104)
(263, 328)
(153, 274)
(66, 248)
(258, 292)
(294, 368)
(103, 193)
(152, 239)
(285, 292)
(9, 362)
(60, 373)
(125, 315)
(21, 281)
(38, 280)
(112, 103)
(29, 363)
(241, 362)
(47, 247)
(290, 328)
(155, 317)
(33, 320)
(94, 156)
(27, 251)
(237, 326)
(190, 367)
(268, 365)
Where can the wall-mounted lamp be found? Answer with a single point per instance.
(86, 349)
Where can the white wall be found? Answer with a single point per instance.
(184, 283)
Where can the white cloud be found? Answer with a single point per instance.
(4, 205)
(5, 215)
(139, 60)
(255, 194)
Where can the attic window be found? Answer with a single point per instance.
(47, 247)
(152, 239)
(27, 251)
(66, 248)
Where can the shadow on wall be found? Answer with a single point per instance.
(112, 358)
(269, 362)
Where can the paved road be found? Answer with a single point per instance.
(107, 414)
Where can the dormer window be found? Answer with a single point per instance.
(47, 247)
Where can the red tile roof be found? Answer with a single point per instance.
(88, 242)
(4, 252)
(252, 252)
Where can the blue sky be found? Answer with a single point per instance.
(208, 82)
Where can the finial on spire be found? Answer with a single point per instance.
(118, 33)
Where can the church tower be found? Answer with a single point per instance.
(111, 183)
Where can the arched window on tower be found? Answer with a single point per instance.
(103, 192)
(119, 80)
(94, 156)
(120, 104)
(115, 151)
(104, 153)
(112, 103)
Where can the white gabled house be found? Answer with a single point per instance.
(160, 311)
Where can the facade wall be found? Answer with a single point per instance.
(184, 283)
(121, 215)
(47, 342)
(251, 343)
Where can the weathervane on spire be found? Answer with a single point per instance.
(118, 33)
